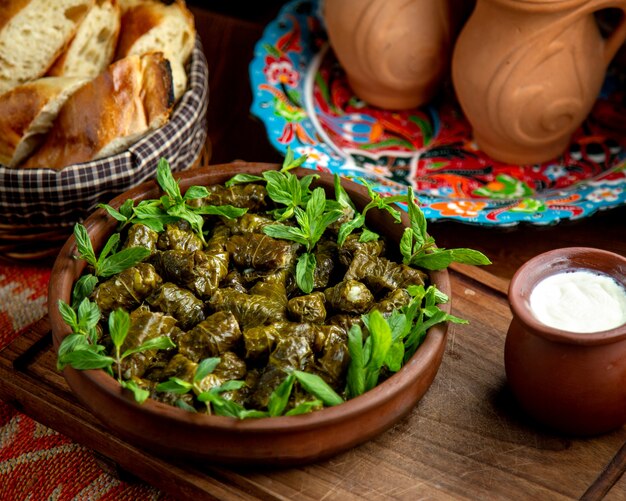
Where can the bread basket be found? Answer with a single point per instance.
(38, 207)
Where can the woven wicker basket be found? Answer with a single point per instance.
(38, 207)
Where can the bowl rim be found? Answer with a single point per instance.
(66, 269)
(557, 261)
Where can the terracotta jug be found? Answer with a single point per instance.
(527, 72)
(394, 52)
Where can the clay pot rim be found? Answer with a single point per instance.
(66, 270)
(539, 5)
(557, 261)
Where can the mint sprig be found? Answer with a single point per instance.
(172, 206)
(81, 350)
(312, 223)
(109, 262)
(392, 340)
(419, 249)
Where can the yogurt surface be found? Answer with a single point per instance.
(579, 301)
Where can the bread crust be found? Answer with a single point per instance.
(28, 110)
(132, 97)
(9, 8)
(151, 25)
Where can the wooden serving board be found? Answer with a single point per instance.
(466, 439)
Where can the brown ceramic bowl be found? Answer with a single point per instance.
(286, 440)
(571, 382)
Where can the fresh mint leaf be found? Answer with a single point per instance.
(280, 396)
(305, 272)
(119, 324)
(205, 367)
(406, 245)
(289, 158)
(317, 387)
(441, 258)
(124, 259)
(181, 404)
(126, 209)
(440, 297)
(368, 236)
(290, 162)
(316, 206)
(114, 213)
(231, 385)
(281, 190)
(73, 342)
(305, 183)
(305, 407)
(167, 182)
(88, 315)
(419, 249)
(83, 288)
(140, 394)
(83, 244)
(380, 334)
(319, 225)
(417, 220)
(341, 195)
(85, 360)
(68, 315)
(399, 323)
(174, 385)
(227, 211)
(382, 203)
(285, 233)
(348, 227)
(225, 407)
(242, 178)
(469, 256)
(196, 192)
(395, 356)
(356, 370)
(183, 212)
(109, 248)
(157, 343)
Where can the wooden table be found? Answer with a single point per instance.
(466, 439)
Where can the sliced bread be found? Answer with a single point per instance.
(32, 35)
(28, 111)
(93, 47)
(153, 26)
(132, 97)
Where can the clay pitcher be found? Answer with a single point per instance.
(527, 73)
(394, 52)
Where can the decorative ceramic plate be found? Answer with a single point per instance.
(302, 96)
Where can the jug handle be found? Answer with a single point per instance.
(615, 40)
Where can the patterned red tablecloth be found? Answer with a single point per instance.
(37, 463)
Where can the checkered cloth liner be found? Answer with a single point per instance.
(53, 198)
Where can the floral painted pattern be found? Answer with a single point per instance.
(305, 101)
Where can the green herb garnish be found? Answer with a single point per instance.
(172, 206)
(81, 350)
(109, 262)
(392, 340)
(312, 222)
(418, 248)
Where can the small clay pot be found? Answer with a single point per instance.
(574, 383)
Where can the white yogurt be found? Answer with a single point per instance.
(579, 301)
